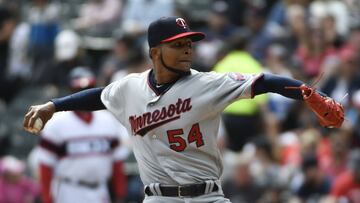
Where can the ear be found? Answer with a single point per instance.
(154, 52)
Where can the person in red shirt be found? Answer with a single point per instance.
(347, 185)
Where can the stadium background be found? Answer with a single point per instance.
(291, 158)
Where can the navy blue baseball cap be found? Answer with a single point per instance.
(167, 29)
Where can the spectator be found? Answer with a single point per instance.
(319, 9)
(246, 112)
(20, 62)
(139, 13)
(237, 9)
(332, 37)
(312, 184)
(346, 187)
(8, 86)
(103, 23)
(43, 17)
(346, 78)
(296, 21)
(314, 53)
(276, 63)
(68, 55)
(218, 29)
(136, 63)
(260, 39)
(354, 117)
(265, 170)
(333, 151)
(309, 139)
(241, 187)
(126, 47)
(15, 187)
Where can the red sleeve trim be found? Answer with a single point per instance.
(119, 180)
(253, 84)
(46, 174)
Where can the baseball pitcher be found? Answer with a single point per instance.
(173, 114)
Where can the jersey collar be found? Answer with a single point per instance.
(158, 89)
(84, 116)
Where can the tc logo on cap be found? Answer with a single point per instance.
(181, 22)
(166, 29)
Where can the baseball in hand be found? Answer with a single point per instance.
(37, 126)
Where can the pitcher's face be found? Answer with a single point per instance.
(177, 53)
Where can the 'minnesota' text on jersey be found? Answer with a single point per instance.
(174, 133)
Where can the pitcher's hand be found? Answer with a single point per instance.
(43, 112)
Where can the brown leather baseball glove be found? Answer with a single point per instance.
(329, 113)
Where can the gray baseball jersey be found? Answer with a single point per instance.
(174, 133)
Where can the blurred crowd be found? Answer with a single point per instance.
(274, 149)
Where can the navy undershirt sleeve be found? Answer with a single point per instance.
(276, 84)
(86, 100)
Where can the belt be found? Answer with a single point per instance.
(192, 190)
(80, 183)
